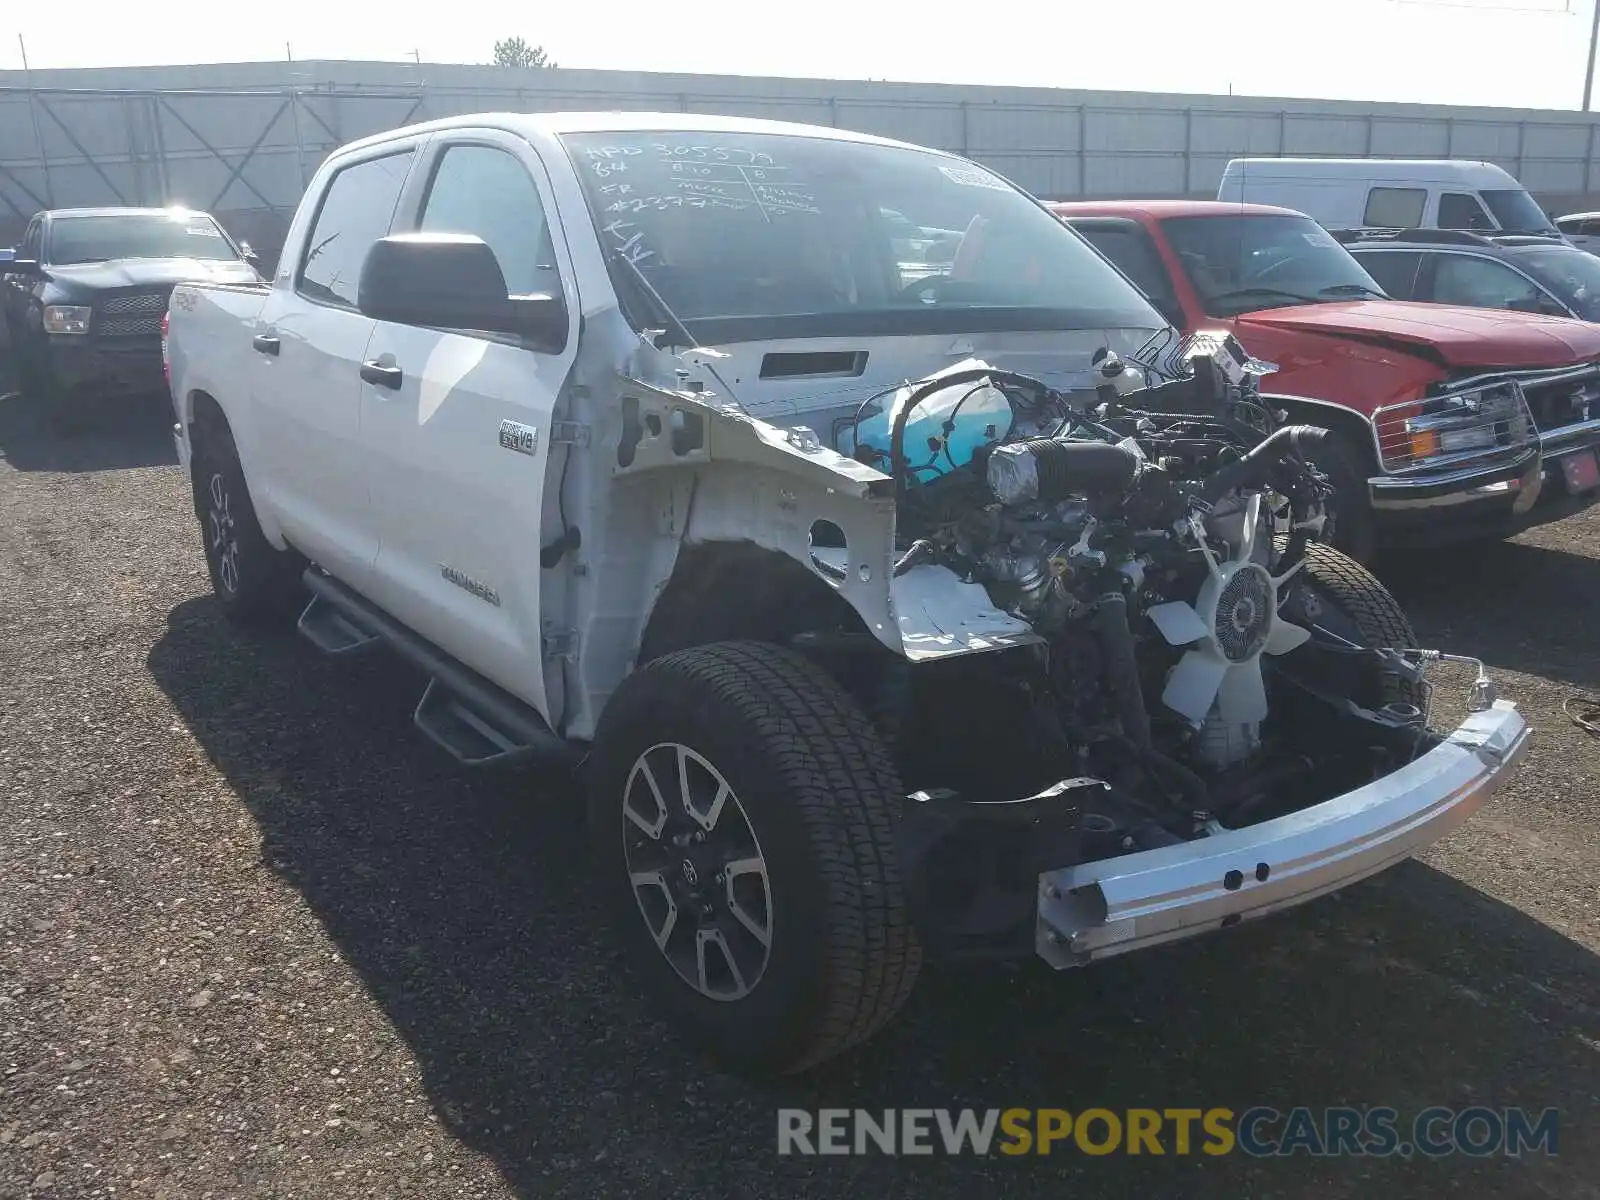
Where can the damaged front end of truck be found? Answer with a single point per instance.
(1131, 694)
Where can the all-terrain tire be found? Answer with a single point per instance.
(254, 582)
(820, 796)
(1372, 613)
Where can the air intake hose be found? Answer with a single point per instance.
(1298, 441)
(1048, 470)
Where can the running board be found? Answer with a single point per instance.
(326, 627)
(475, 721)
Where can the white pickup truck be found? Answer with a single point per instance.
(894, 603)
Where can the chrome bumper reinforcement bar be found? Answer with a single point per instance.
(1101, 909)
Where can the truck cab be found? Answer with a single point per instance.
(1453, 422)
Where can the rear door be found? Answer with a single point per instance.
(460, 509)
(305, 355)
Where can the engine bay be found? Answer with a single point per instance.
(1166, 542)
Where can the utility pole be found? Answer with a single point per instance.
(38, 130)
(1588, 73)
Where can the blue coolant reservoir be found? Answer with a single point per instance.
(977, 413)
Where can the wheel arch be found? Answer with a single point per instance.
(1355, 427)
(206, 423)
(727, 590)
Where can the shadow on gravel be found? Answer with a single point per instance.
(125, 432)
(462, 901)
(1497, 602)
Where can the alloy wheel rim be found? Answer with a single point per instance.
(696, 871)
(224, 540)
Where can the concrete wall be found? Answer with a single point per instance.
(241, 139)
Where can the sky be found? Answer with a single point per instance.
(1503, 53)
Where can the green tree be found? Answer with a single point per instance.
(515, 52)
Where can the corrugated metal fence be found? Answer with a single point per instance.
(241, 140)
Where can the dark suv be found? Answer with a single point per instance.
(1526, 272)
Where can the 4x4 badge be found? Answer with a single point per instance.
(524, 439)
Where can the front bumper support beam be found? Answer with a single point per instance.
(1100, 909)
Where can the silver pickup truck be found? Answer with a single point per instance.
(895, 598)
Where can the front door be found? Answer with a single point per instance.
(459, 443)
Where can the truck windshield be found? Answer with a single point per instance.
(1517, 212)
(135, 235)
(1250, 261)
(751, 236)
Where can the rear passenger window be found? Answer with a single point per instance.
(484, 191)
(1459, 211)
(357, 210)
(1395, 208)
(1395, 271)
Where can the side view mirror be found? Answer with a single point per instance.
(28, 267)
(453, 281)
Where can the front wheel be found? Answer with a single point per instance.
(741, 813)
(1339, 595)
(63, 410)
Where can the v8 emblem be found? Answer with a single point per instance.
(524, 439)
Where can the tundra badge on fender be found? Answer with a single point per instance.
(524, 439)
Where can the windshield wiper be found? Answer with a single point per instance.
(1351, 289)
(676, 328)
(1241, 293)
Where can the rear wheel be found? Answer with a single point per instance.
(253, 581)
(741, 813)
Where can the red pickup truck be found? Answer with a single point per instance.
(1454, 422)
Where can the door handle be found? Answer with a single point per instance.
(381, 376)
(266, 343)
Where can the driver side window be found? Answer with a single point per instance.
(1482, 283)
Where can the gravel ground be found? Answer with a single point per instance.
(257, 939)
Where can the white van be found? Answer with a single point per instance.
(1385, 193)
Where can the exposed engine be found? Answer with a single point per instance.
(1147, 534)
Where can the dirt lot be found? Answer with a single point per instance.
(257, 939)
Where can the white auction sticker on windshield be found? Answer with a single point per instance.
(1318, 238)
(973, 177)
